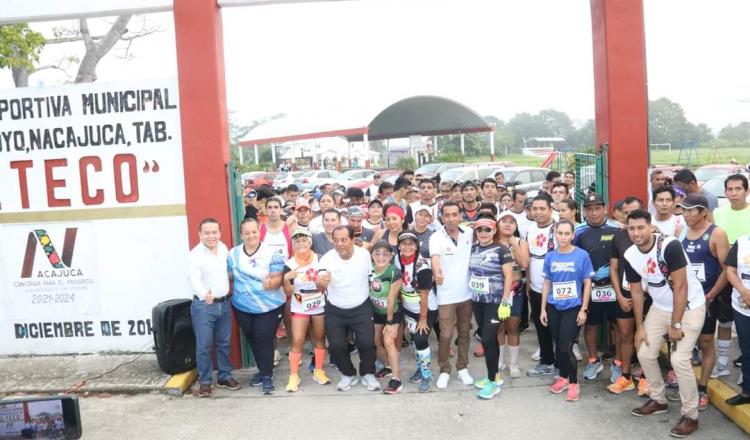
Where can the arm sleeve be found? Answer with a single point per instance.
(424, 278)
(434, 248)
(614, 249)
(732, 256)
(588, 268)
(674, 256)
(630, 273)
(196, 272)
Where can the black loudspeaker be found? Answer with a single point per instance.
(174, 340)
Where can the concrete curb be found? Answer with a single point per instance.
(718, 392)
(179, 383)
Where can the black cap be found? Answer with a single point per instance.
(694, 200)
(381, 244)
(593, 199)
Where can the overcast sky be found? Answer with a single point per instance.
(499, 58)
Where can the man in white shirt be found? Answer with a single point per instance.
(678, 311)
(345, 273)
(212, 322)
(450, 249)
(667, 222)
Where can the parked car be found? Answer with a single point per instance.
(285, 179)
(526, 178)
(315, 178)
(432, 170)
(348, 178)
(708, 172)
(386, 175)
(471, 172)
(254, 179)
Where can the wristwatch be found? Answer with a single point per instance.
(391, 322)
(677, 325)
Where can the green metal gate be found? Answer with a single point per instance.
(237, 205)
(591, 175)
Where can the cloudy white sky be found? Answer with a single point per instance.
(498, 57)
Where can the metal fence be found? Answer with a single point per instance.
(591, 175)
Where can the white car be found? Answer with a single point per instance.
(464, 174)
(285, 179)
(318, 177)
(716, 187)
(354, 176)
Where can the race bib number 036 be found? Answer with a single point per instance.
(603, 294)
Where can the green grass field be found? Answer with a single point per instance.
(658, 157)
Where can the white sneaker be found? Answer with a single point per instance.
(577, 352)
(515, 372)
(370, 382)
(442, 381)
(465, 377)
(346, 383)
(276, 358)
(719, 371)
(537, 355)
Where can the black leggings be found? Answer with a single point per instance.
(359, 320)
(260, 332)
(486, 316)
(422, 340)
(562, 324)
(546, 350)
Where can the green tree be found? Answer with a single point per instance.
(525, 125)
(737, 133)
(583, 137)
(19, 49)
(558, 122)
(667, 123)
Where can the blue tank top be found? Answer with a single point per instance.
(705, 265)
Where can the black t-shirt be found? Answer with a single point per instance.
(620, 244)
(251, 212)
(424, 242)
(731, 260)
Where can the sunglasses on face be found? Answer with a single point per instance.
(484, 230)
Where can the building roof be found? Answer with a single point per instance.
(417, 115)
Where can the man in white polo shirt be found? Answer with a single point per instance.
(345, 273)
(450, 249)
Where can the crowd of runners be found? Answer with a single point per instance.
(380, 270)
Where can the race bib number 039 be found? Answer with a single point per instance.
(479, 285)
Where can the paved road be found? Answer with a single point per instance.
(524, 410)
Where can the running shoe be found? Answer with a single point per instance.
(574, 392)
(720, 370)
(577, 352)
(442, 381)
(481, 383)
(465, 377)
(425, 384)
(643, 388)
(515, 372)
(559, 386)
(479, 350)
(346, 382)
(256, 380)
(536, 355)
(383, 372)
(671, 380)
(293, 384)
(393, 387)
(695, 357)
(489, 390)
(369, 381)
(592, 369)
(615, 372)
(268, 387)
(702, 401)
(541, 370)
(621, 385)
(321, 377)
(416, 377)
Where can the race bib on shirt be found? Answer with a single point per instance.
(314, 302)
(564, 290)
(479, 285)
(603, 294)
(699, 269)
(411, 324)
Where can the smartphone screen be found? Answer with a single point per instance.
(56, 417)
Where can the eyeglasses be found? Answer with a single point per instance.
(483, 230)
